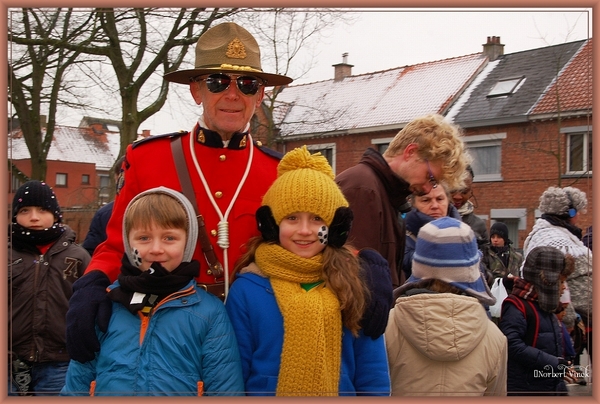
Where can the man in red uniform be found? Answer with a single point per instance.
(229, 173)
(226, 171)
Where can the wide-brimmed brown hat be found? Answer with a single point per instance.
(227, 48)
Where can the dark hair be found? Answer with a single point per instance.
(470, 170)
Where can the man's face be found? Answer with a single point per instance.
(228, 111)
(421, 174)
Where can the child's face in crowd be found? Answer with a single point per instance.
(496, 240)
(35, 218)
(158, 244)
(298, 233)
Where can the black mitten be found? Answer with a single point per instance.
(88, 305)
(379, 281)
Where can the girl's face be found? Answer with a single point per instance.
(35, 218)
(158, 244)
(298, 233)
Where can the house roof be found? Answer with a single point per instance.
(374, 101)
(72, 144)
(537, 68)
(574, 85)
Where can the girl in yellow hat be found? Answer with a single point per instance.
(299, 296)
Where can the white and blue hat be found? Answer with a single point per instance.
(446, 249)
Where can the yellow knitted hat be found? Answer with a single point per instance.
(305, 183)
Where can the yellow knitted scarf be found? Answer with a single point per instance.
(312, 323)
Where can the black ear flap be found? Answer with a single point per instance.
(266, 224)
(340, 227)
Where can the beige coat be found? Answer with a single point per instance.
(443, 344)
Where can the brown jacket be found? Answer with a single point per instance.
(376, 196)
(41, 286)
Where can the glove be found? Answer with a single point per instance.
(377, 276)
(88, 305)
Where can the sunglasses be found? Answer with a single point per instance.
(219, 82)
(432, 179)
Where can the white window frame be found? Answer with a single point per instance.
(495, 140)
(586, 131)
(324, 146)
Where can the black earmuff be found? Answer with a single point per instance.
(337, 234)
(266, 224)
(340, 227)
(572, 211)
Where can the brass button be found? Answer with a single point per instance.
(213, 233)
(222, 157)
(258, 143)
(218, 194)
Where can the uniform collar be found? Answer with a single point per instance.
(211, 138)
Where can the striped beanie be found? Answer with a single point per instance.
(446, 249)
(305, 183)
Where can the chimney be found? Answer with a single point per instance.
(145, 133)
(493, 49)
(342, 69)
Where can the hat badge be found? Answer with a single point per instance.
(236, 50)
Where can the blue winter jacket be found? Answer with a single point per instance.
(258, 326)
(532, 369)
(186, 339)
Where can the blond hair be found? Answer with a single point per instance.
(438, 140)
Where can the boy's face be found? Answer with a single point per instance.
(35, 218)
(299, 233)
(158, 244)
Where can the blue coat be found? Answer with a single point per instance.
(530, 369)
(188, 338)
(258, 326)
(97, 232)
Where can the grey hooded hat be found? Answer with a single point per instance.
(192, 236)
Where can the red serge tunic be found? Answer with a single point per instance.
(149, 163)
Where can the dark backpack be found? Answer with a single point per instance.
(531, 317)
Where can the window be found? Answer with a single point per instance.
(382, 144)
(579, 149)
(506, 87)
(15, 183)
(85, 179)
(61, 179)
(486, 151)
(326, 149)
(104, 186)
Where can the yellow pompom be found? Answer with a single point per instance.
(301, 158)
(305, 183)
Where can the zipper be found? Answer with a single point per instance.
(147, 317)
(33, 357)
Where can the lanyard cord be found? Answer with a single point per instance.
(223, 226)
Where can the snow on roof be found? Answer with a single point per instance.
(72, 144)
(371, 100)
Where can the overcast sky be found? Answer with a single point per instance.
(380, 40)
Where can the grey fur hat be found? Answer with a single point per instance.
(558, 201)
(192, 236)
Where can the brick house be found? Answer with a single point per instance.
(506, 104)
(79, 165)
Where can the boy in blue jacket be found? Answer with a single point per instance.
(166, 336)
